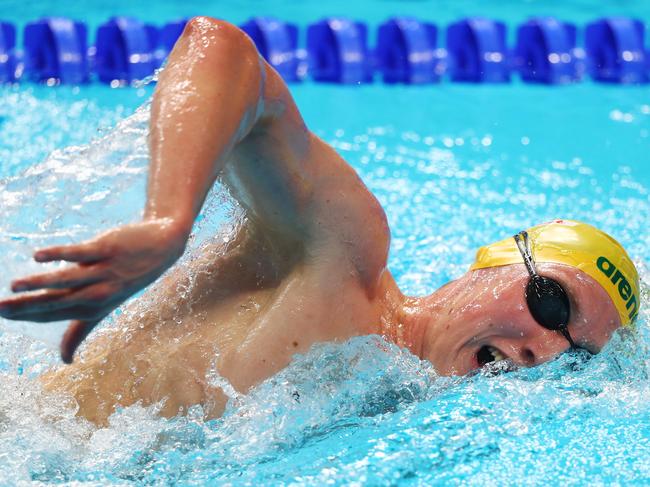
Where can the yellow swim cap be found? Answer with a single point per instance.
(581, 246)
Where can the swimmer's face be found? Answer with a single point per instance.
(483, 316)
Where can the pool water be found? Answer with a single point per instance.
(455, 166)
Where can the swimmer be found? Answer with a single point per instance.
(307, 265)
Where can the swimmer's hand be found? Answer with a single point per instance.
(108, 269)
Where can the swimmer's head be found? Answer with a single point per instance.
(581, 246)
(486, 316)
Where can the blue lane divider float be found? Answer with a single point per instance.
(7, 55)
(277, 42)
(477, 51)
(56, 51)
(125, 50)
(406, 51)
(615, 48)
(546, 51)
(338, 52)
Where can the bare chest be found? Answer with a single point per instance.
(240, 341)
(257, 334)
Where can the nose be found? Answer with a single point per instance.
(540, 347)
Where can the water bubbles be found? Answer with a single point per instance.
(619, 116)
(216, 380)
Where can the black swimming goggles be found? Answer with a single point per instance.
(546, 298)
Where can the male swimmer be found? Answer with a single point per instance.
(307, 265)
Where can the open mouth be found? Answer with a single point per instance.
(488, 354)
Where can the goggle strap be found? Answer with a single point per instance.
(526, 251)
(566, 334)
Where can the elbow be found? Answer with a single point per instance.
(202, 23)
(225, 50)
(221, 35)
(221, 63)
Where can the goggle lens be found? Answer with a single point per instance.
(547, 300)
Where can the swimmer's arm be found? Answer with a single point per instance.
(216, 105)
(207, 99)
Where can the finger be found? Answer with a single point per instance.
(73, 336)
(83, 252)
(14, 305)
(58, 304)
(62, 314)
(65, 278)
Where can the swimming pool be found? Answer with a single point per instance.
(455, 166)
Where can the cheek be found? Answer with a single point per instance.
(489, 293)
(490, 304)
(506, 298)
(598, 323)
(597, 318)
(502, 310)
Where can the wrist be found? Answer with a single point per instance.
(175, 229)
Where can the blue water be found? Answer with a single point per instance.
(455, 166)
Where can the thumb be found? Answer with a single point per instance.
(73, 336)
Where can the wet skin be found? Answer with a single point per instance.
(306, 265)
(487, 307)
